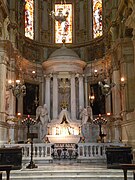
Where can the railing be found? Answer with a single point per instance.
(85, 151)
(41, 151)
(92, 150)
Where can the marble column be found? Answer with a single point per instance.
(20, 110)
(116, 97)
(86, 92)
(20, 104)
(47, 93)
(3, 71)
(108, 101)
(12, 99)
(42, 96)
(12, 22)
(81, 92)
(117, 131)
(11, 112)
(134, 48)
(73, 97)
(55, 96)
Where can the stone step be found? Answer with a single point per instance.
(68, 172)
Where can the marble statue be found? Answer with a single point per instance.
(83, 115)
(43, 118)
(86, 115)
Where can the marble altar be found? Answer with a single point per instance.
(64, 129)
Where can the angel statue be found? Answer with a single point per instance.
(83, 115)
(86, 115)
(43, 118)
(90, 114)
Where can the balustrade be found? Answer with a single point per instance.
(86, 151)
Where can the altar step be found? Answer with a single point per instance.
(68, 172)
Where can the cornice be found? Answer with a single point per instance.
(32, 43)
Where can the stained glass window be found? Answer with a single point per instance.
(97, 18)
(29, 10)
(63, 28)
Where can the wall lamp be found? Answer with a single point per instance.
(19, 89)
(91, 98)
(122, 82)
(95, 73)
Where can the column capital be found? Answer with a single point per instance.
(81, 76)
(48, 76)
(72, 75)
(55, 75)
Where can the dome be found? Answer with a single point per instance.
(63, 60)
(63, 53)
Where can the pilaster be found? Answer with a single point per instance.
(55, 96)
(73, 97)
(47, 93)
(81, 91)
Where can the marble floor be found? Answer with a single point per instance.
(68, 171)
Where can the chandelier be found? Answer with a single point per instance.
(61, 14)
(106, 87)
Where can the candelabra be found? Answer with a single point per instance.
(100, 120)
(28, 121)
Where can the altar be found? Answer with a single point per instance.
(64, 129)
(63, 139)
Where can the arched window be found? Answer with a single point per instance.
(63, 23)
(29, 17)
(97, 18)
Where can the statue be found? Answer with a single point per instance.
(90, 114)
(43, 118)
(86, 115)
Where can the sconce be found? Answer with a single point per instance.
(34, 74)
(91, 98)
(122, 82)
(95, 73)
(13, 118)
(19, 115)
(18, 89)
